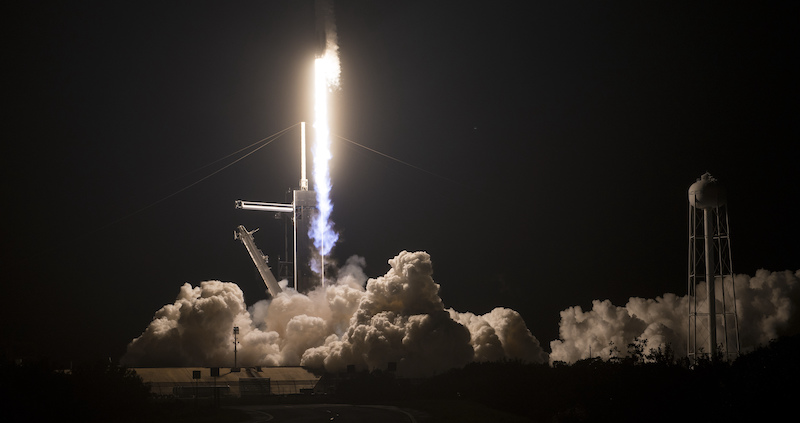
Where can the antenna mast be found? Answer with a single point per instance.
(303, 179)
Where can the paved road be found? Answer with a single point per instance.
(333, 413)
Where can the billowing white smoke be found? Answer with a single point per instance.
(398, 317)
(195, 330)
(766, 304)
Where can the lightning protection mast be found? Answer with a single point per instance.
(713, 325)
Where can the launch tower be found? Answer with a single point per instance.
(303, 206)
(713, 325)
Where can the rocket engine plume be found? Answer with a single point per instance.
(326, 78)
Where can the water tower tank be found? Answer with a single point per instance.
(706, 193)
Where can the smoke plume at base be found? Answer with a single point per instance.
(766, 304)
(396, 318)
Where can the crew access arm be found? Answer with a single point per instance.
(259, 259)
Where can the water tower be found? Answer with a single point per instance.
(713, 326)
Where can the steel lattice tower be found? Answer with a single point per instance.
(713, 324)
(302, 207)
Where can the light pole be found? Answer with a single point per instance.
(235, 342)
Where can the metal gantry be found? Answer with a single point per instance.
(302, 208)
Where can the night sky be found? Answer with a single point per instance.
(557, 143)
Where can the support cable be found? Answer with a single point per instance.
(395, 159)
(264, 142)
(272, 137)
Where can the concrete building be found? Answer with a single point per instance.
(190, 382)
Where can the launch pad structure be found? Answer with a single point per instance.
(713, 324)
(308, 209)
(302, 208)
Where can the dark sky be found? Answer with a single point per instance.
(559, 141)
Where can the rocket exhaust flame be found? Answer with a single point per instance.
(326, 77)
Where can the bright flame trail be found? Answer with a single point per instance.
(326, 77)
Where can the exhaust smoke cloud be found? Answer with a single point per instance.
(400, 318)
(368, 323)
(767, 307)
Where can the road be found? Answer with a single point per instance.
(335, 413)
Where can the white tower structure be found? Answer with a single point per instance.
(713, 325)
(301, 208)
